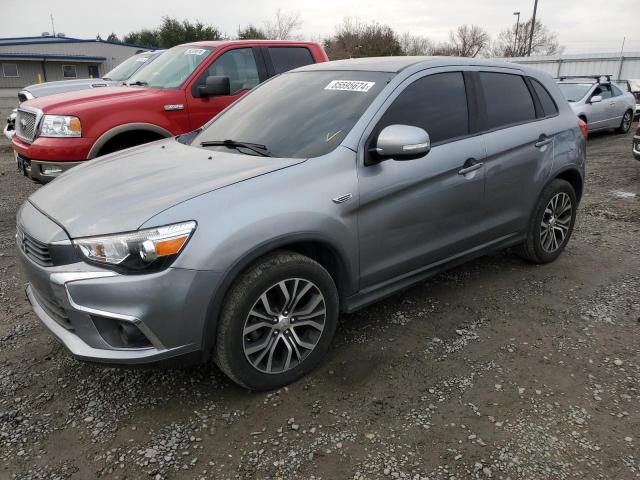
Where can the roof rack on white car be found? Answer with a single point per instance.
(601, 79)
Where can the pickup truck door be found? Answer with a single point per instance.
(245, 69)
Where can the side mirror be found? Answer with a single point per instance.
(595, 99)
(402, 142)
(215, 86)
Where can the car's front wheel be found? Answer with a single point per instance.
(277, 322)
(625, 124)
(551, 224)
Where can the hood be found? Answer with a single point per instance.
(50, 88)
(119, 192)
(70, 102)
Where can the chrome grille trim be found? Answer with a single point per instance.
(27, 123)
(34, 249)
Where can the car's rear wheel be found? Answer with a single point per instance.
(551, 224)
(277, 322)
(625, 124)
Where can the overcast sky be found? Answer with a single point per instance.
(582, 25)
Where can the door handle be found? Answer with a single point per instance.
(470, 165)
(543, 140)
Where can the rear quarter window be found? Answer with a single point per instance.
(548, 105)
(507, 99)
(288, 58)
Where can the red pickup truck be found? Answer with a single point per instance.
(183, 88)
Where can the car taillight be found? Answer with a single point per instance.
(584, 128)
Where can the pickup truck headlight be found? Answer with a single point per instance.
(143, 250)
(60, 126)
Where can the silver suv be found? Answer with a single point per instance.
(323, 190)
(599, 102)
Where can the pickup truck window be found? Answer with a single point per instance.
(297, 114)
(239, 65)
(288, 58)
(172, 68)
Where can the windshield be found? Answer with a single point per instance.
(298, 114)
(574, 92)
(127, 68)
(172, 68)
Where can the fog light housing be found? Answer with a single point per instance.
(51, 170)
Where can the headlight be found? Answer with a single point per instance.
(60, 126)
(150, 249)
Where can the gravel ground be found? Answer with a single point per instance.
(497, 369)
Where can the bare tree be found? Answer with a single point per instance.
(544, 42)
(354, 38)
(469, 40)
(415, 44)
(283, 26)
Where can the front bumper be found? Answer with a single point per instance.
(42, 171)
(59, 152)
(102, 316)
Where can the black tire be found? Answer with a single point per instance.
(229, 353)
(533, 249)
(625, 123)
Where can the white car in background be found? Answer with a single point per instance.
(598, 101)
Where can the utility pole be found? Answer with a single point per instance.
(533, 26)
(621, 58)
(515, 40)
(53, 27)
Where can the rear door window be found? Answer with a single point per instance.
(288, 58)
(436, 103)
(507, 99)
(548, 105)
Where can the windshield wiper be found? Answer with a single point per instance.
(261, 150)
(138, 83)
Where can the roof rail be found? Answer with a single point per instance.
(597, 78)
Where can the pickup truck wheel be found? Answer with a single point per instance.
(625, 124)
(551, 224)
(277, 321)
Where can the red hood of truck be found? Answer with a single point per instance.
(71, 102)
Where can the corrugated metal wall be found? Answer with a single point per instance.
(27, 74)
(625, 67)
(114, 53)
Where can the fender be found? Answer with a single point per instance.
(127, 127)
(348, 280)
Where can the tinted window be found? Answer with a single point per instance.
(603, 90)
(288, 58)
(548, 105)
(69, 71)
(240, 66)
(507, 99)
(10, 69)
(297, 115)
(437, 103)
(616, 90)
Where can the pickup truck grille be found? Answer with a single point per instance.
(34, 249)
(26, 125)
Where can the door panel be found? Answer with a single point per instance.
(515, 171)
(417, 212)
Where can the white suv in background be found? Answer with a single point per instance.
(599, 102)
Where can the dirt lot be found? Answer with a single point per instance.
(498, 369)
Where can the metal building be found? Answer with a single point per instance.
(620, 67)
(28, 60)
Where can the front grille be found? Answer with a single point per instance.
(26, 125)
(53, 309)
(34, 249)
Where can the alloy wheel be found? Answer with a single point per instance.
(284, 325)
(626, 122)
(556, 222)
